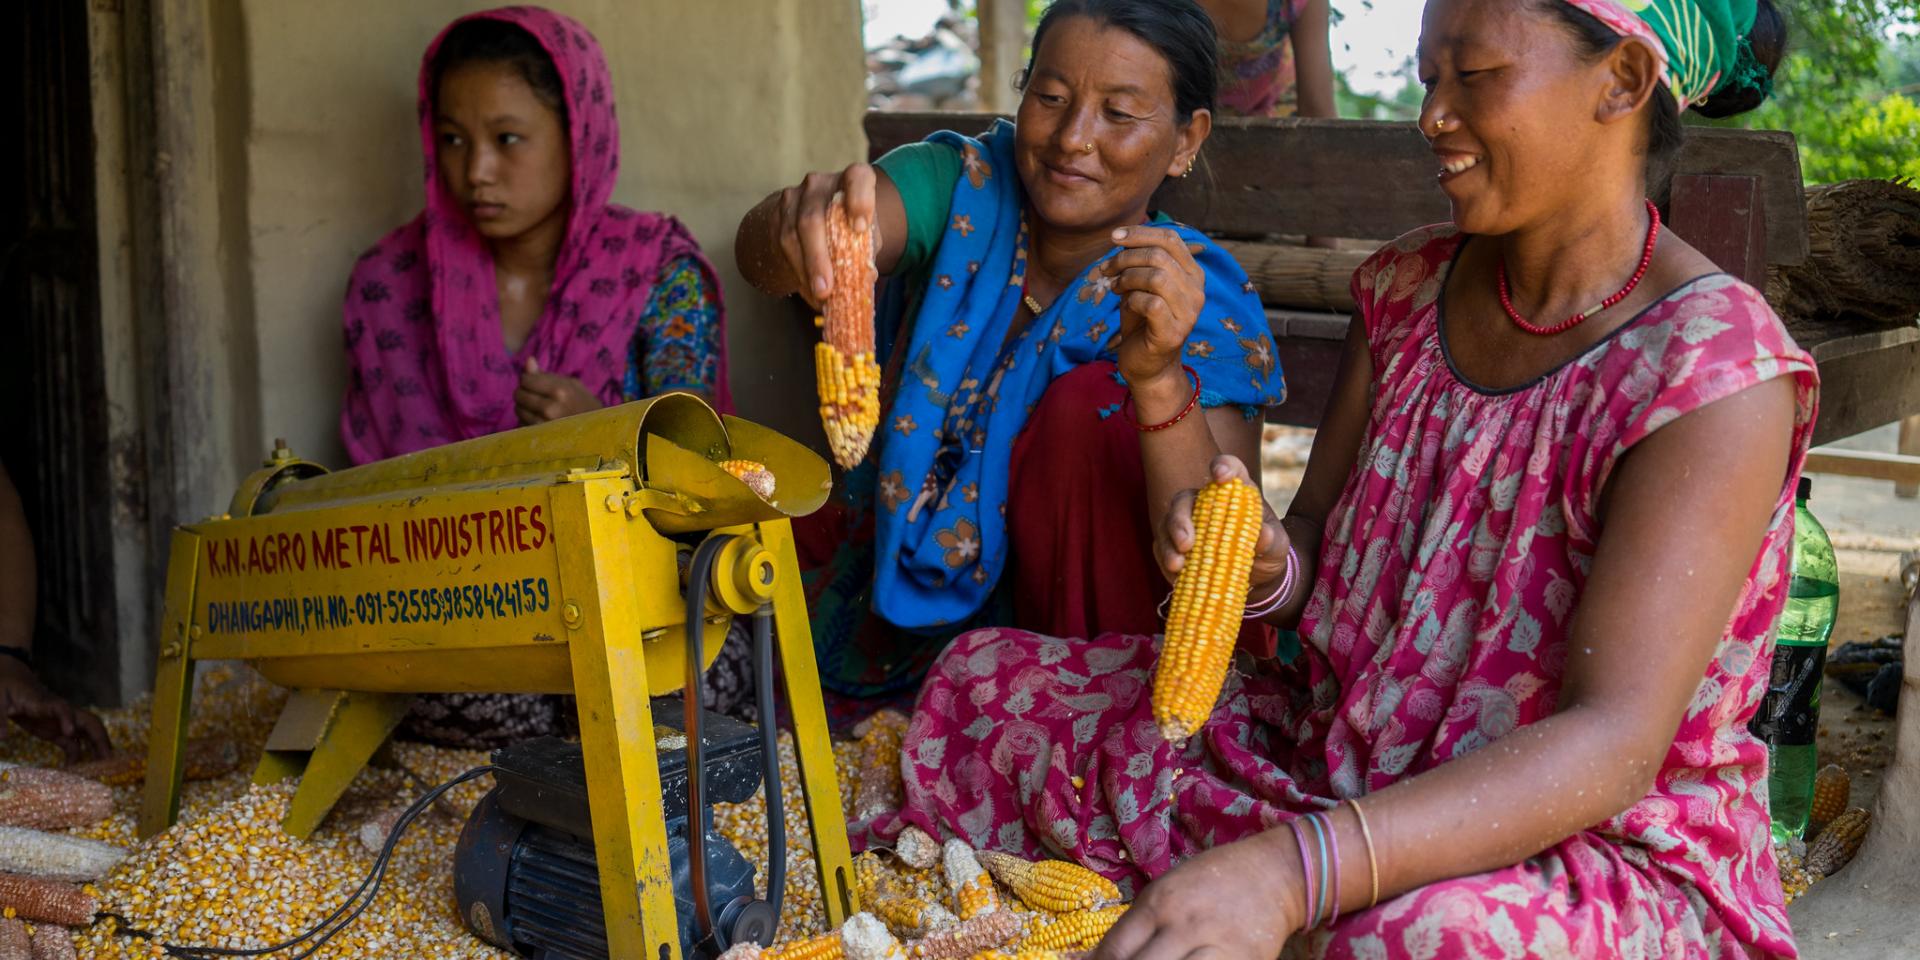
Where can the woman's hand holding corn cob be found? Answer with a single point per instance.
(1175, 538)
(783, 245)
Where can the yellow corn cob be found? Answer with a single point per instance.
(752, 473)
(1053, 885)
(46, 901)
(206, 759)
(916, 849)
(847, 376)
(1836, 845)
(864, 937)
(827, 946)
(1831, 790)
(878, 787)
(53, 943)
(15, 944)
(959, 941)
(973, 891)
(1079, 930)
(55, 856)
(1205, 615)
(51, 799)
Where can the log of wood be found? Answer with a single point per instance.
(1863, 260)
(1301, 278)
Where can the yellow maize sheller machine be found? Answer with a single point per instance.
(571, 558)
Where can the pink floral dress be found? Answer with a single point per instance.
(1438, 624)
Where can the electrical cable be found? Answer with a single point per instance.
(340, 918)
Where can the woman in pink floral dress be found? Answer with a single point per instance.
(1545, 529)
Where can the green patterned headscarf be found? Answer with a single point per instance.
(1704, 41)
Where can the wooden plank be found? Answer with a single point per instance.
(1370, 179)
(1724, 218)
(1866, 381)
(1870, 464)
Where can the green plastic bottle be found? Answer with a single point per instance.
(1789, 715)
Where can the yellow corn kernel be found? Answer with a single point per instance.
(1205, 616)
(973, 890)
(1079, 930)
(1053, 885)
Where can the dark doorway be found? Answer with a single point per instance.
(53, 438)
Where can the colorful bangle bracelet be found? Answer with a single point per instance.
(1126, 406)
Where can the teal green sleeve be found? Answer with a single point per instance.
(925, 174)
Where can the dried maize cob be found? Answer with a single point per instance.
(754, 474)
(206, 758)
(15, 944)
(827, 946)
(1079, 930)
(1204, 618)
(1053, 885)
(989, 931)
(1831, 790)
(973, 891)
(878, 787)
(904, 913)
(864, 937)
(847, 375)
(1836, 845)
(46, 901)
(56, 856)
(916, 849)
(51, 799)
(53, 943)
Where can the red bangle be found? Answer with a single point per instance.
(1193, 401)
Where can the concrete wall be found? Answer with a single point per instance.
(720, 102)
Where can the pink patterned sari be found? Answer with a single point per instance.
(1438, 623)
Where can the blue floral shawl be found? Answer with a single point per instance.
(944, 462)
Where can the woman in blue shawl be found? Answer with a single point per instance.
(1066, 361)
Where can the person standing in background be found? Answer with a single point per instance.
(24, 700)
(1275, 57)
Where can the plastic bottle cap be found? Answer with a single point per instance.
(1806, 488)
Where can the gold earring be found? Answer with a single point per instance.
(1189, 171)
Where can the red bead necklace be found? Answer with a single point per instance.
(1646, 259)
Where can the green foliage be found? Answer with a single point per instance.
(1839, 91)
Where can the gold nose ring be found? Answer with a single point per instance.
(1087, 149)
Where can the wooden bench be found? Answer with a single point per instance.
(1736, 197)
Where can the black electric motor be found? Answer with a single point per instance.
(525, 876)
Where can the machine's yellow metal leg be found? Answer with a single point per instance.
(356, 727)
(811, 738)
(616, 725)
(172, 690)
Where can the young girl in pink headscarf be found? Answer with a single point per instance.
(520, 294)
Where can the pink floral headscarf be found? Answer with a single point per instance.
(422, 316)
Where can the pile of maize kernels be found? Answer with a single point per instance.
(228, 876)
